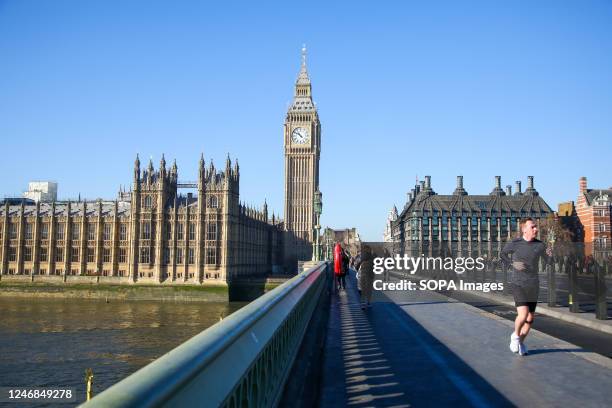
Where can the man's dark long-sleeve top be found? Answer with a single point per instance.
(527, 252)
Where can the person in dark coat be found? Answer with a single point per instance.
(346, 259)
(366, 275)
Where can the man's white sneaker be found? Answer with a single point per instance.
(514, 343)
(522, 349)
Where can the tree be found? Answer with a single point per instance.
(554, 232)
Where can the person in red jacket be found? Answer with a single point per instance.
(339, 270)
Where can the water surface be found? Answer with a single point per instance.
(51, 342)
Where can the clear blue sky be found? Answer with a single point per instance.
(477, 88)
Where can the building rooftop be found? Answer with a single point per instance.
(593, 194)
(92, 209)
(423, 198)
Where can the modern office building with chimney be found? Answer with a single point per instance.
(464, 223)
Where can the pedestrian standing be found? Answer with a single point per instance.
(356, 261)
(339, 273)
(346, 259)
(366, 276)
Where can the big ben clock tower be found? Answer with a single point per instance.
(302, 150)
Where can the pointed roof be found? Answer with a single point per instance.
(597, 194)
(303, 78)
(302, 100)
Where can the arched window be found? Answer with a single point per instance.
(146, 231)
(148, 202)
(211, 232)
(213, 202)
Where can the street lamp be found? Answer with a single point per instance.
(328, 242)
(318, 209)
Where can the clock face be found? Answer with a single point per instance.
(299, 135)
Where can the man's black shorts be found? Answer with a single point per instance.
(526, 296)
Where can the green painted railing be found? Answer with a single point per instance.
(242, 361)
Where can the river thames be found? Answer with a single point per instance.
(51, 342)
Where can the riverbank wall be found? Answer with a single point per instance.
(91, 289)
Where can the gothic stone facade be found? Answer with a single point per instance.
(151, 234)
(464, 223)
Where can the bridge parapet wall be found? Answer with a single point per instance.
(243, 360)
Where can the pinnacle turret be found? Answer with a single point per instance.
(201, 171)
(211, 169)
(150, 171)
(228, 166)
(136, 169)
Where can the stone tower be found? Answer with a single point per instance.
(302, 140)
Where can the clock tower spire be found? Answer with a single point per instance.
(302, 140)
(302, 85)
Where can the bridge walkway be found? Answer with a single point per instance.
(414, 348)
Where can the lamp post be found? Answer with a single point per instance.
(327, 244)
(318, 209)
(550, 267)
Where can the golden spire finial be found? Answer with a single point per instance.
(304, 55)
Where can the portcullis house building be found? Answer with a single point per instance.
(464, 223)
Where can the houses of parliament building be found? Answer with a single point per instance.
(153, 234)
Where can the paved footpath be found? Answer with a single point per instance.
(414, 348)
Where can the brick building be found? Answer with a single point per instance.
(568, 219)
(593, 208)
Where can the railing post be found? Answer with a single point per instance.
(499, 269)
(552, 285)
(572, 271)
(484, 272)
(601, 304)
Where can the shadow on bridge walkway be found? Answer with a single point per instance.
(415, 348)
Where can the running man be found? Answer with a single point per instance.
(526, 252)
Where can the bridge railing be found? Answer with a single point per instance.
(242, 361)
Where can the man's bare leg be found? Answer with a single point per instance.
(526, 326)
(521, 318)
